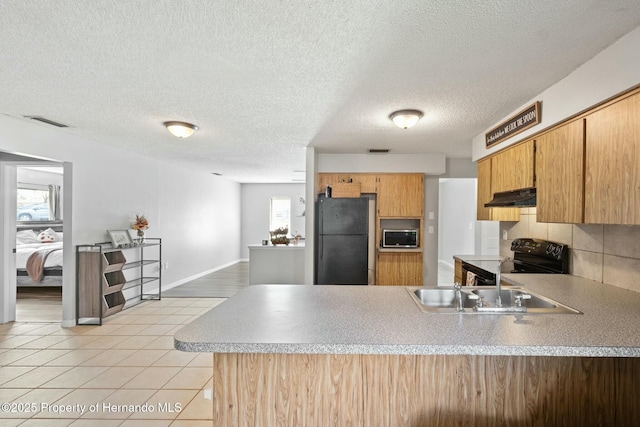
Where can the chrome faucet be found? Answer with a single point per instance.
(498, 285)
(458, 289)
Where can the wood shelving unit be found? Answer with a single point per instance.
(107, 282)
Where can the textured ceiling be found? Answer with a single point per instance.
(265, 79)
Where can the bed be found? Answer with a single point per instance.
(39, 257)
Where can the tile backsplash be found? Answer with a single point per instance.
(604, 253)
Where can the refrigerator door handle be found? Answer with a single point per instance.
(321, 248)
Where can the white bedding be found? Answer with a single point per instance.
(30, 241)
(23, 251)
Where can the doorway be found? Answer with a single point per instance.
(459, 232)
(32, 222)
(39, 236)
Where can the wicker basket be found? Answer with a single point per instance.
(345, 189)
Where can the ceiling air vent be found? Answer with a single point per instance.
(378, 150)
(47, 121)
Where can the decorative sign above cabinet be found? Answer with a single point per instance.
(526, 118)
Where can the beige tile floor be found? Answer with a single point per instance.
(125, 372)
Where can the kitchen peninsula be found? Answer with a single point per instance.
(350, 355)
(276, 264)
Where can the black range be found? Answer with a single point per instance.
(529, 256)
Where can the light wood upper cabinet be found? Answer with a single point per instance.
(400, 195)
(513, 168)
(484, 189)
(612, 175)
(485, 194)
(560, 174)
(367, 181)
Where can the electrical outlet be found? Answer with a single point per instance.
(431, 229)
(504, 235)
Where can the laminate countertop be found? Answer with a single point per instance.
(386, 320)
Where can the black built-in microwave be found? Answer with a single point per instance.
(400, 238)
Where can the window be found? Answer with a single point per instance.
(37, 202)
(280, 212)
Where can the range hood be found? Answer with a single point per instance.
(516, 198)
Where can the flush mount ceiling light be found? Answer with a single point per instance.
(181, 129)
(406, 118)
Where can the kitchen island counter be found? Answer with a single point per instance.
(286, 355)
(385, 320)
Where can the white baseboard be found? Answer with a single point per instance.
(199, 275)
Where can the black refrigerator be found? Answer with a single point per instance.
(342, 237)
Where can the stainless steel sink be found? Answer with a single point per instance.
(445, 300)
(440, 299)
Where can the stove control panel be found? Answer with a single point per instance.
(543, 248)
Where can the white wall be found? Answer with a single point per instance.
(430, 164)
(612, 71)
(196, 213)
(256, 209)
(457, 218)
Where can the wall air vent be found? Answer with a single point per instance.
(378, 150)
(47, 121)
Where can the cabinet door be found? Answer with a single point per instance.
(560, 174)
(399, 269)
(484, 189)
(400, 195)
(485, 194)
(612, 172)
(512, 168)
(457, 272)
(367, 182)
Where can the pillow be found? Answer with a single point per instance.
(47, 236)
(25, 237)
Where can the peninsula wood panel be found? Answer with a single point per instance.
(612, 172)
(399, 268)
(423, 390)
(400, 195)
(513, 168)
(560, 174)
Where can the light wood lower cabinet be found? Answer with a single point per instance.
(423, 390)
(399, 268)
(457, 272)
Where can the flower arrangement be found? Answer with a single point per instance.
(140, 224)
